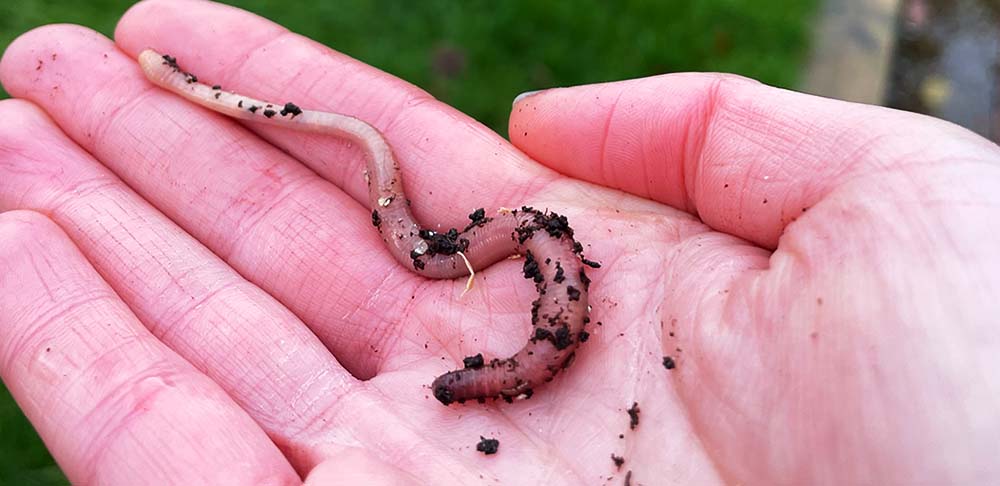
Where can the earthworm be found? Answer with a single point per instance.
(553, 258)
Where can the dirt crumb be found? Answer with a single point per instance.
(633, 416)
(487, 446)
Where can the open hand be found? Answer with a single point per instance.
(190, 299)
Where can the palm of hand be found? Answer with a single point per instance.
(792, 366)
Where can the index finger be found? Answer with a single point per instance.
(451, 163)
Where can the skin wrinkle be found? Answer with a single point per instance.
(82, 187)
(308, 424)
(156, 256)
(8, 152)
(153, 160)
(648, 187)
(801, 146)
(137, 273)
(22, 344)
(408, 325)
(229, 243)
(690, 151)
(336, 253)
(33, 259)
(798, 249)
(778, 134)
(125, 392)
(177, 281)
(322, 399)
(239, 217)
(398, 116)
(164, 371)
(602, 159)
(162, 326)
(866, 150)
(380, 337)
(458, 331)
(314, 300)
(75, 192)
(487, 303)
(705, 124)
(318, 434)
(782, 196)
(308, 91)
(95, 238)
(100, 125)
(758, 167)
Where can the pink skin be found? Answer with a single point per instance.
(855, 343)
(558, 316)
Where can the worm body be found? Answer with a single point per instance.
(553, 257)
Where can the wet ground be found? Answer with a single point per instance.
(947, 62)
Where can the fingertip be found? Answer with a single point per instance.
(22, 222)
(28, 54)
(27, 114)
(687, 140)
(21, 229)
(180, 25)
(36, 64)
(131, 33)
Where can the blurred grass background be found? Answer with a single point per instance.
(477, 55)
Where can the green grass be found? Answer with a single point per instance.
(23, 458)
(499, 49)
(477, 55)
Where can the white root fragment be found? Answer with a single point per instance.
(384, 201)
(472, 275)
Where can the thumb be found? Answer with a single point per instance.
(746, 158)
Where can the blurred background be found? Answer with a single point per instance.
(931, 56)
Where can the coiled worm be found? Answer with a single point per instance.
(553, 257)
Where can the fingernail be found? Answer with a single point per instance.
(524, 95)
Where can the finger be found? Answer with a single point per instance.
(271, 219)
(451, 164)
(747, 158)
(113, 405)
(227, 327)
(193, 305)
(356, 466)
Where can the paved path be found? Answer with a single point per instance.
(852, 50)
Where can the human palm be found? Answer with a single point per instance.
(822, 275)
